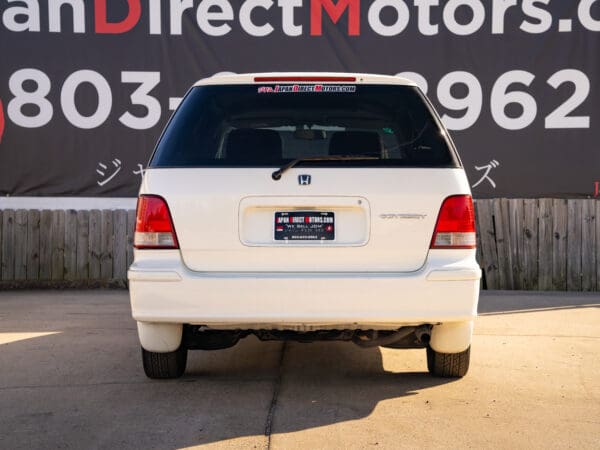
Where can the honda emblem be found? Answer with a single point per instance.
(304, 180)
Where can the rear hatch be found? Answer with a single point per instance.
(371, 168)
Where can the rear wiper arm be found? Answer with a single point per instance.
(279, 172)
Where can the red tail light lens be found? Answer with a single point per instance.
(455, 226)
(154, 226)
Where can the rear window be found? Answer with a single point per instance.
(271, 125)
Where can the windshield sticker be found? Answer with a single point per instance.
(285, 88)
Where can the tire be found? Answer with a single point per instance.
(448, 365)
(164, 365)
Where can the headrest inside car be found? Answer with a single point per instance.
(355, 143)
(250, 145)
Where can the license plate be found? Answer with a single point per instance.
(304, 226)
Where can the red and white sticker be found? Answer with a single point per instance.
(318, 88)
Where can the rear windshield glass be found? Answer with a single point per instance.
(271, 125)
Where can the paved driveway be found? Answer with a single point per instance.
(71, 377)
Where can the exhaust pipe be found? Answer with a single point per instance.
(365, 341)
(423, 334)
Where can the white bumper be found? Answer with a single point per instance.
(163, 290)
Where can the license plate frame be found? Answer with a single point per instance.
(307, 226)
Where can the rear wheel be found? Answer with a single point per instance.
(164, 365)
(448, 365)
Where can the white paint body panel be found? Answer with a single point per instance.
(361, 78)
(378, 273)
(164, 290)
(224, 217)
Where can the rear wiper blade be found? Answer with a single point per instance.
(278, 173)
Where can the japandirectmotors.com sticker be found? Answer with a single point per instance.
(286, 88)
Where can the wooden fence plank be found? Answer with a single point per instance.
(529, 255)
(58, 245)
(559, 245)
(574, 242)
(70, 240)
(130, 231)
(33, 244)
(83, 241)
(20, 244)
(120, 245)
(502, 227)
(516, 227)
(46, 243)
(478, 256)
(95, 243)
(106, 245)
(489, 256)
(8, 244)
(545, 244)
(588, 248)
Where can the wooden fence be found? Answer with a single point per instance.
(65, 247)
(545, 244)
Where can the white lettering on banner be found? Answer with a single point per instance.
(206, 14)
(147, 81)
(394, 29)
(502, 94)
(155, 17)
(178, 7)
(472, 102)
(488, 168)
(220, 17)
(584, 12)
(501, 98)
(543, 17)
(287, 17)
(424, 17)
(30, 12)
(108, 173)
(474, 25)
(36, 97)
(498, 14)
(560, 117)
(246, 18)
(67, 99)
(77, 10)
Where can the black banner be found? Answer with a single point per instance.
(86, 86)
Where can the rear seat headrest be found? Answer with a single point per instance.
(355, 143)
(250, 145)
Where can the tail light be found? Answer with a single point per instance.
(154, 226)
(455, 227)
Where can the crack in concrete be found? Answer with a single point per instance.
(274, 398)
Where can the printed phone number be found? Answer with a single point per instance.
(458, 112)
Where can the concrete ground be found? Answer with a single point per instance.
(71, 377)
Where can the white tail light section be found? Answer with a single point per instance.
(455, 227)
(154, 226)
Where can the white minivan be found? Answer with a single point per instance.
(304, 206)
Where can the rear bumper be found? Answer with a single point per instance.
(163, 290)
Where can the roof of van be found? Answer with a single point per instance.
(303, 77)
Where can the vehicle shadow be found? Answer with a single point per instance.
(517, 302)
(84, 387)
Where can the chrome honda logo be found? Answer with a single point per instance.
(304, 180)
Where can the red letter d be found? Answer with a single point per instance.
(132, 18)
